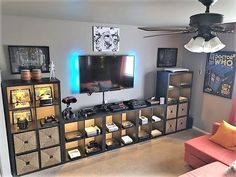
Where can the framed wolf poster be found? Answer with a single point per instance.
(220, 73)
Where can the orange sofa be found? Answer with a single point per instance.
(201, 151)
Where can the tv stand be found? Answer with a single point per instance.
(103, 106)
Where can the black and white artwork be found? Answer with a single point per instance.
(106, 39)
(167, 57)
(29, 57)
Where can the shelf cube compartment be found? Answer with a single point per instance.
(51, 156)
(25, 142)
(170, 126)
(27, 163)
(182, 123)
(171, 112)
(49, 137)
(182, 109)
(74, 147)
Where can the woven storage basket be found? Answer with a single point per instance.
(50, 156)
(27, 163)
(25, 142)
(49, 137)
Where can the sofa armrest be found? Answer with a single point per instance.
(215, 127)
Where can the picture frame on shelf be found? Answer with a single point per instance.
(29, 57)
(20, 98)
(43, 91)
(167, 57)
(21, 115)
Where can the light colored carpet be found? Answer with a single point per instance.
(161, 157)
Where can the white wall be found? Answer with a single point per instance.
(207, 108)
(65, 37)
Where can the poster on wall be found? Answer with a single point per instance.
(220, 73)
(106, 39)
(29, 57)
(167, 57)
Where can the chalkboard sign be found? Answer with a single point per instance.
(219, 74)
(167, 57)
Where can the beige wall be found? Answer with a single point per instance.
(207, 108)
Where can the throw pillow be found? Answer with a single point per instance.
(225, 136)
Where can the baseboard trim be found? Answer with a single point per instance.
(200, 130)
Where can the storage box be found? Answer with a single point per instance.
(48, 137)
(25, 142)
(50, 156)
(170, 126)
(27, 163)
(171, 111)
(181, 123)
(183, 109)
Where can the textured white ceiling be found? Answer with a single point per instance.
(131, 12)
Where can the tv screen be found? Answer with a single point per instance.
(105, 73)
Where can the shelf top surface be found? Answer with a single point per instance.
(18, 82)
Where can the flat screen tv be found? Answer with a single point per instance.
(106, 73)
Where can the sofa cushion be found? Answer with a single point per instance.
(225, 136)
(208, 151)
(215, 169)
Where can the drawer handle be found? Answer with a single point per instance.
(170, 125)
(27, 163)
(26, 142)
(182, 109)
(50, 136)
(51, 156)
(181, 123)
(171, 111)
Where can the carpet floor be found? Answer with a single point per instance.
(161, 157)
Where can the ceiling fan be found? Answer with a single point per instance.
(205, 25)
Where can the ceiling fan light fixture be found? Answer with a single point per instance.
(199, 44)
(216, 44)
(195, 45)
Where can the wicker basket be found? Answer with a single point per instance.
(49, 137)
(27, 163)
(25, 142)
(50, 156)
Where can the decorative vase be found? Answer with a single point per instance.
(36, 74)
(25, 75)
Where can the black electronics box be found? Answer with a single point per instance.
(46, 102)
(135, 104)
(75, 135)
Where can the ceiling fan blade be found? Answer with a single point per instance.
(167, 34)
(174, 29)
(224, 27)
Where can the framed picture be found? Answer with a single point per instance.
(20, 96)
(220, 73)
(106, 39)
(29, 57)
(21, 114)
(42, 91)
(167, 57)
